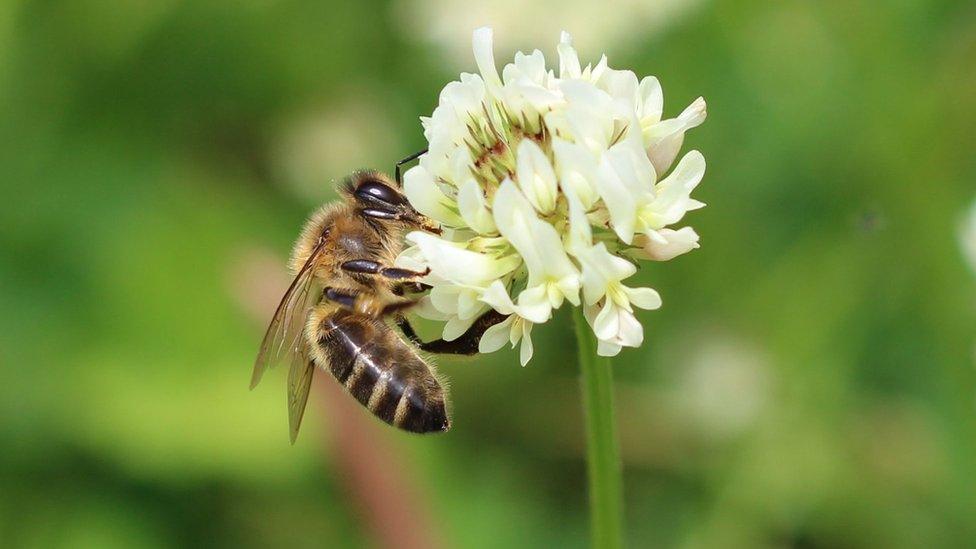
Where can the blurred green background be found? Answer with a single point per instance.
(810, 381)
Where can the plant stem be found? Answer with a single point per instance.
(602, 448)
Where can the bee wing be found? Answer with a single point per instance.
(299, 382)
(283, 339)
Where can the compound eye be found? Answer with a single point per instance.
(376, 191)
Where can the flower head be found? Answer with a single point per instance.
(549, 185)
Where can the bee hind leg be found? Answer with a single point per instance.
(466, 344)
(407, 329)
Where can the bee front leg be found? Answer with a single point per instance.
(365, 303)
(405, 276)
(404, 216)
(411, 287)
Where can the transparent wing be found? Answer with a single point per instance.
(283, 339)
(299, 383)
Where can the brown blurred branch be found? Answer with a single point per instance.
(374, 472)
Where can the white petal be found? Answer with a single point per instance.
(633, 168)
(645, 298)
(497, 297)
(594, 285)
(600, 269)
(474, 209)
(622, 86)
(481, 43)
(427, 198)
(607, 322)
(630, 332)
(460, 163)
(576, 167)
(526, 68)
(569, 65)
(425, 309)
(588, 116)
(515, 333)
(525, 353)
(496, 336)
(444, 298)
(652, 100)
(536, 241)
(590, 311)
(596, 72)
(580, 237)
(536, 177)
(620, 201)
(460, 266)
(469, 305)
(568, 287)
(464, 97)
(667, 244)
(625, 182)
(663, 140)
(673, 198)
(536, 96)
(534, 304)
(607, 348)
(456, 327)
(411, 258)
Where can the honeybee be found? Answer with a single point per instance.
(336, 313)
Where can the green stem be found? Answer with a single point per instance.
(602, 448)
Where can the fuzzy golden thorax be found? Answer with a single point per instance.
(368, 223)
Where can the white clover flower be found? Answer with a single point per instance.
(549, 185)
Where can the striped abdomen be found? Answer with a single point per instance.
(384, 374)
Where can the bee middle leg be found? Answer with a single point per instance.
(365, 303)
(368, 266)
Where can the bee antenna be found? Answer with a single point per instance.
(412, 157)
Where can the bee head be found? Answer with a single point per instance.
(376, 197)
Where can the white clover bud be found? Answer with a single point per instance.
(549, 185)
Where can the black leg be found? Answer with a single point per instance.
(379, 213)
(414, 287)
(408, 330)
(364, 303)
(408, 216)
(410, 287)
(368, 266)
(467, 344)
(412, 157)
(404, 275)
